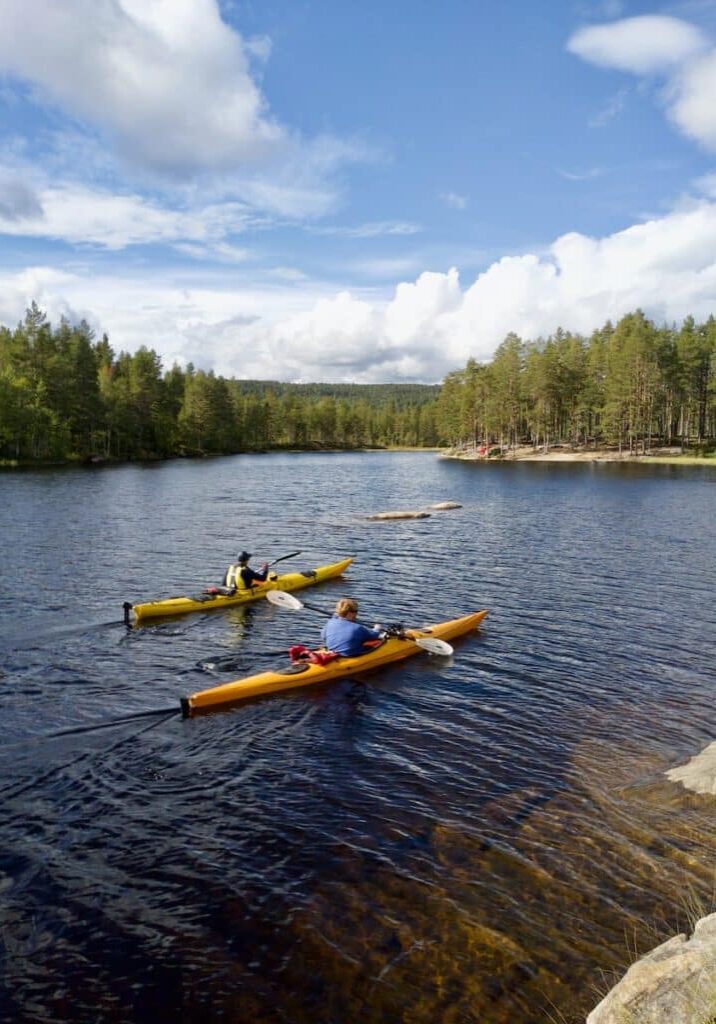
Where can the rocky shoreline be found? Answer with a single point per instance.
(576, 453)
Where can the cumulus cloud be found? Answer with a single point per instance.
(658, 45)
(432, 325)
(167, 79)
(426, 328)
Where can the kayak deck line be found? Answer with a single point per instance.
(307, 674)
(138, 613)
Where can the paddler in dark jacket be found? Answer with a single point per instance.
(345, 636)
(241, 576)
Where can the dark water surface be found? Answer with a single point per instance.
(485, 839)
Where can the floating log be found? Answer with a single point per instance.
(446, 504)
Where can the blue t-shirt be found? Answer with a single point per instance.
(346, 637)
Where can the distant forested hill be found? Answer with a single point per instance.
(377, 395)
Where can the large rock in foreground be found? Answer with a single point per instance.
(674, 984)
(698, 774)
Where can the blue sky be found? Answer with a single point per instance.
(303, 190)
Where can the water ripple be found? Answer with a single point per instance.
(465, 838)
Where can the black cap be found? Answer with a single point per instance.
(244, 556)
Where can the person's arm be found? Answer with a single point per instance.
(366, 633)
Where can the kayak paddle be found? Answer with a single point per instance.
(284, 557)
(290, 603)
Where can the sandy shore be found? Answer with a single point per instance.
(565, 453)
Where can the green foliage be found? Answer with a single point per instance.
(65, 396)
(632, 385)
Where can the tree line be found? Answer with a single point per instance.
(66, 396)
(633, 385)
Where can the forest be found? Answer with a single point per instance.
(632, 385)
(65, 396)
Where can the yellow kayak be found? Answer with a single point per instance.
(208, 602)
(303, 674)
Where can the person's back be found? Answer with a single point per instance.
(345, 636)
(241, 576)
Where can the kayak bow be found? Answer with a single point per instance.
(208, 602)
(303, 674)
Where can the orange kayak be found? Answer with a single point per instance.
(302, 674)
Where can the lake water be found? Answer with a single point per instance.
(487, 838)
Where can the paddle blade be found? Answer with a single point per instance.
(283, 600)
(433, 645)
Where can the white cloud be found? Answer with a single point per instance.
(643, 45)
(82, 215)
(665, 266)
(693, 107)
(168, 80)
(653, 44)
(220, 252)
(286, 199)
(374, 229)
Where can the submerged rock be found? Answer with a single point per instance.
(400, 515)
(675, 983)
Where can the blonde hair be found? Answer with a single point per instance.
(345, 606)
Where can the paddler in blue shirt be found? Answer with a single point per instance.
(347, 637)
